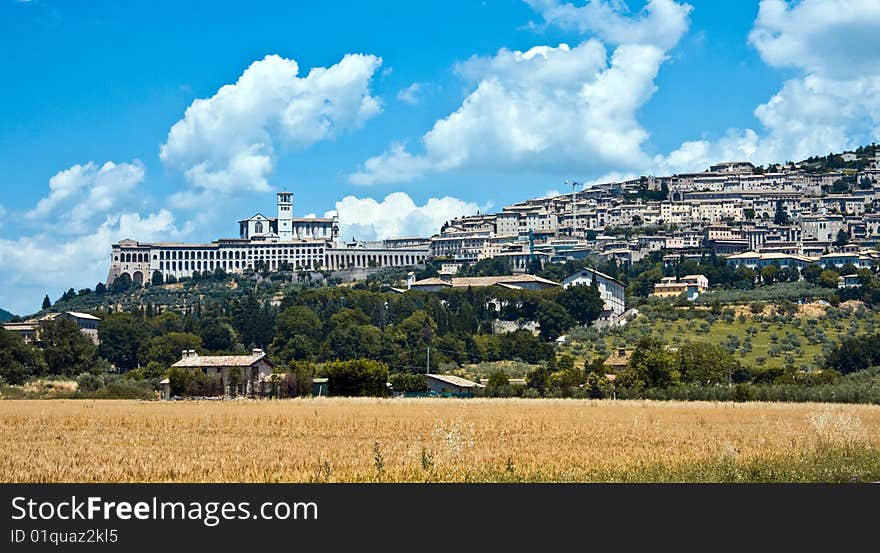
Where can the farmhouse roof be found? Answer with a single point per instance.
(454, 380)
(199, 361)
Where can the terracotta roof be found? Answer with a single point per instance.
(220, 361)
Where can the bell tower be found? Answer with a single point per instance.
(285, 215)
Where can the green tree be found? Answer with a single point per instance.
(66, 349)
(491, 266)
(768, 274)
(356, 377)
(498, 378)
(166, 349)
(537, 379)
(828, 278)
(643, 284)
(122, 283)
(854, 354)
(217, 335)
(298, 378)
(705, 363)
(419, 329)
(298, 329)
(584, 303)
(355, 341)
(46, 302)
(652, 364)
(166, 322)
(299, 320)
(811, 273)
(553, 319)
(19, 361)
(122, 336)
(157, 278)
(408, 382)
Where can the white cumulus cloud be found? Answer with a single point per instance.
(43, 263)
(410, 94)
(833, 104)
(549, 107)
(64, 240)
(395, 216)
(660, 22)
(82, 193)
(229, 142)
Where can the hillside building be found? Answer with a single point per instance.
(268, 243)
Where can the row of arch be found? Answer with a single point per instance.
(175, 255)
(360, 260)
(133, 258)
(186, 255)
(226, 265)
(189, 261)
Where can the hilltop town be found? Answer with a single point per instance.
(575, 294)
(821, 210)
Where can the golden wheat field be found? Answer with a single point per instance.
(435, 440)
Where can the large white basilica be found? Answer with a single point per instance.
(270, 242)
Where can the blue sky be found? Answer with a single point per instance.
(425, 110)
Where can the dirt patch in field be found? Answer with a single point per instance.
(41, 386)
(810, 310)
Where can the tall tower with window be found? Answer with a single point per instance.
(285, 215)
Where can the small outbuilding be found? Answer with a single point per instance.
(451, 386)
(320, 387)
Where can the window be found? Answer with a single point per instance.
(258, 227)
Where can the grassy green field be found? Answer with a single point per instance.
(768, 339)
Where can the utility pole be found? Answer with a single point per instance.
(428, 363)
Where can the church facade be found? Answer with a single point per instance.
(269, 243)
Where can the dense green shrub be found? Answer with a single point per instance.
(356, 377)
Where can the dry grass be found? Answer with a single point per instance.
(356, 440)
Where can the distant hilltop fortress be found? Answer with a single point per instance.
(270, 243)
